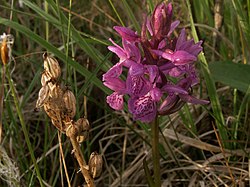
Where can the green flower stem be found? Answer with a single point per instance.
(25, 131)
(155, 152)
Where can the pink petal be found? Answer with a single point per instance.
(116, 84)
(143, 108)
(192, 99)
(115, 101)
(113, 72)
(127, 33)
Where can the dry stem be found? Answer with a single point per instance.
(72, 134)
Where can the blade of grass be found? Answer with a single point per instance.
(243, 106)
(90, 50)
(147, 173)
(116, 13)
(216, 107)
(28, 91)
(242, 18)
(29, 34)
(24, 128)
(151, 6)
(131, 15)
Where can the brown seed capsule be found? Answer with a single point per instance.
(83, 127)
(54, 111)
(51, 110)
(95, 164)
(45, 79)
(43, 96)
(70, 103)
(51, 66)
(59, 125)
(55, 91)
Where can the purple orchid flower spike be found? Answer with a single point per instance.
(159, 68)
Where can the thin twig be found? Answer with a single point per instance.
(155, 153)
(62, 158)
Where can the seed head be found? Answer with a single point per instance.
(43, 96)
(70, 103)
(51, 66)
(95, 164)
(83, 127)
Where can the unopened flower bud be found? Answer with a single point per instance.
(95, 164)
(51, 66)
(43, 96)
(70, 103)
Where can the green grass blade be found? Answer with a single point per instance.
(242, 18)
(214, 98)
(23, 124)
(243, 106)
(131, 15)
(116, 13)
(90, 50)
(26, 96)
(29, 34)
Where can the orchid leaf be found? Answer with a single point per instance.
(231, 74)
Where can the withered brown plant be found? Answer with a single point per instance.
(60, 105)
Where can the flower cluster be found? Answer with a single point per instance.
(160, 71)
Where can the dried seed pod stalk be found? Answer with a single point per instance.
(60, 105)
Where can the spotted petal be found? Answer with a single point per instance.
(115, 101)
(143, 108)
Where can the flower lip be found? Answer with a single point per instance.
(143, 108)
